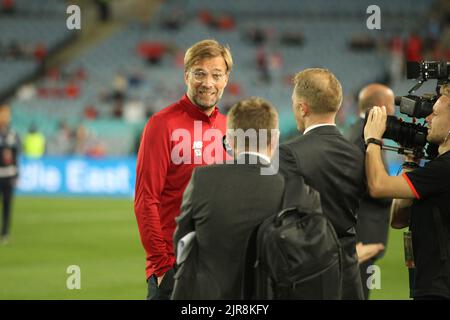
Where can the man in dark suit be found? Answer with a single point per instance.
(224, 203)
(373, 214)
(328, 162)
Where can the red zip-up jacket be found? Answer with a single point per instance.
(174, 141)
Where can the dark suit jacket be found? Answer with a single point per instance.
(373, 214)
(223, 204)
(333, 166)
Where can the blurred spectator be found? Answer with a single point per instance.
(206, 17)
(256, 36)
(54, 74)
(8, 6)
(225, 22)
(414, 47)
(80, 74)
(174, 20)
(234, 89)
(40, 51)
(89, 112)
(26, 92)
(9, 151)
(97, 150)
(275, 65)
(292, 38)
(134, 111)
(397, 63)
(72, 90)
(61, 143)
(117, 111)
(34, 143)
(16, 50)
(152, 51)
(135, 78)
(263, 68)
(86, 143)
(120, 86)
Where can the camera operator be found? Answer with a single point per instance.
(422, 200)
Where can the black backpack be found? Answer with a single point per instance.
(294, 255)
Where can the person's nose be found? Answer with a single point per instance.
(208, 81)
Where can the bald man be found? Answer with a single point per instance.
(374, 94)
(373, 214)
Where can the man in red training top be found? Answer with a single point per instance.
(175, 140)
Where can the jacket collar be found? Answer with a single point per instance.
(252, 159)
(195, 112)
(324, 130)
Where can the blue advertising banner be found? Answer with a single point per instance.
(81, 176)
(77, 176)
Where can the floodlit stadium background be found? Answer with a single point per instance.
(74, 204)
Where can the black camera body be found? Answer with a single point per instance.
(410, 135)
(426, 70)
(416, 106)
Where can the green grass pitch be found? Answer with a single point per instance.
(101, 237)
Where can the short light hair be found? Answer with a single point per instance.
(320, 89)
(253, 113)
(206, 49)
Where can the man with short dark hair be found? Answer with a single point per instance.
(328, 162)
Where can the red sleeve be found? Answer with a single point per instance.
(151, 169)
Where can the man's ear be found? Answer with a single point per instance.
(186, 77)
(304, 109)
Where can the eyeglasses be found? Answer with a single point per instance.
(201, 76)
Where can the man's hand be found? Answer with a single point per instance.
(376, 123)
(367, 251)
(159, 280)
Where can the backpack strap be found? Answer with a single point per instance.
(441, 232)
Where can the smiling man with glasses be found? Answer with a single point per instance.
(160, 179)
(206, 79)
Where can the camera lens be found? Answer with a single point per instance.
(408, 135)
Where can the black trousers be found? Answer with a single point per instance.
(164, 290)
(6, 191)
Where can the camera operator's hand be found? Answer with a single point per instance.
(376, 123)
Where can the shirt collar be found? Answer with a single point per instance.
(263, 156)
(195, 111)
(317, 126)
